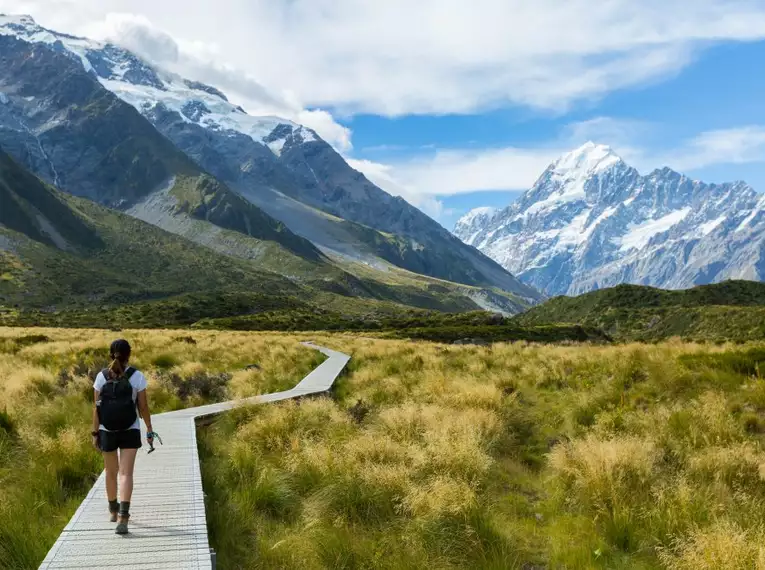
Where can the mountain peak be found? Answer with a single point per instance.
(15, 24)
(481, 212)
(591, 221)
(21, 19)
(589, 159)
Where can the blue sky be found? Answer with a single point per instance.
(722, 90)
(460, 104)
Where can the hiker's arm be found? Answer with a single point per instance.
(95, 410)
(143, 409)
(95, 422)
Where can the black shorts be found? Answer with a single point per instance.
(113, 440)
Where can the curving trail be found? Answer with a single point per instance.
(168, 528)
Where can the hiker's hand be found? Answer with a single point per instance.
(150, 437)
(95, 442)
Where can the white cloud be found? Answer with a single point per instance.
(328, 128)
(627, 137)
(422, 180)
(449, 172)
(397, 57)
(383, 176)
(642, 145)
(724, 146)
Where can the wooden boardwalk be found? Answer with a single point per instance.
(168, 528)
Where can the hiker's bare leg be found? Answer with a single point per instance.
(127, 463)
(112, 466)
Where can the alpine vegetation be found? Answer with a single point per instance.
(511, 456)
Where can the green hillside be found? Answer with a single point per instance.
(105, 257)
(67, 261)
(732, 310)
(26, 206)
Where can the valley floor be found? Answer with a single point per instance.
(427, 455)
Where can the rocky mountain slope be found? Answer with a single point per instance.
(57, 120)
(592, 221)
(285, 169)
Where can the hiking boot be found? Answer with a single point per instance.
(113, 516)
(122, 525)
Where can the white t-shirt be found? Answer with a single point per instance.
(137, 381)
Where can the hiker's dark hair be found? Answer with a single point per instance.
(119, 352)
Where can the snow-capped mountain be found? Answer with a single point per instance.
(146, 87)
(57, 120)
(592, 221)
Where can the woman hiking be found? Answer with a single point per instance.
(120, 397)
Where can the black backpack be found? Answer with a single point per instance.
(116, 408)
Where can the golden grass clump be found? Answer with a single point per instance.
(742, 463)
(604, 470)
(47, 463)
(440, 496)
(722, 546)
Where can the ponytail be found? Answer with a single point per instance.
(120, 354)
(116, 368)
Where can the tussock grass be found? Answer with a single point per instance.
(507, 456)
(517, 456)
(47, 464)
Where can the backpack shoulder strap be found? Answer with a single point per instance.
(129, 373)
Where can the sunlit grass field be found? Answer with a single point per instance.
(47, 463)
(510, 456)
(426, 456)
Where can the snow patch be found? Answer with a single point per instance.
(223, 116)
(569, 193)
(607, 213)
(470, 226)
(639, 235)
(570, 174)
(475, 213)
(297, 133)
(709, 227)
(748, 220)
(277, 146)
(574, 169)
(575, 232)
